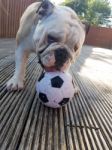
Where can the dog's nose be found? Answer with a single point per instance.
(61, 56)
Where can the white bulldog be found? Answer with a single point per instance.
(55, 33)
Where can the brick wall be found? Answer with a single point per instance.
(99, 36)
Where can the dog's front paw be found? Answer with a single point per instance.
(14, 84)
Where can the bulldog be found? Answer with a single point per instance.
(54, 33)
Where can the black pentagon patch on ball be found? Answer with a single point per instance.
(41, 76)
(43, 97)
(64, 101)
(57, 82)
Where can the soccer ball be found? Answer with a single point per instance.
(55, 89)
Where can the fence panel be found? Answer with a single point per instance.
(10, 13)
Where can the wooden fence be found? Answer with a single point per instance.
(10, 13)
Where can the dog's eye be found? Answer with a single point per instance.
(52, 39)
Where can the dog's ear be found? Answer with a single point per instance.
(46, 8)
(86, 26)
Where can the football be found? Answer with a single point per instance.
(55, 89)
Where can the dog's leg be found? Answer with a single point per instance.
(17, 81)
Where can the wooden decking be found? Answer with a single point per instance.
(84, 124)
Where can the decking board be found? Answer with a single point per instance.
(84, 124)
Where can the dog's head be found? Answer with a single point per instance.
(59, 35)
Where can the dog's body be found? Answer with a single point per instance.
(51, 28)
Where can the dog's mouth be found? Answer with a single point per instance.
(43, 50)
(39, 55)
(57, 57)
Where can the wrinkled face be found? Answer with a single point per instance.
(58, 29)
